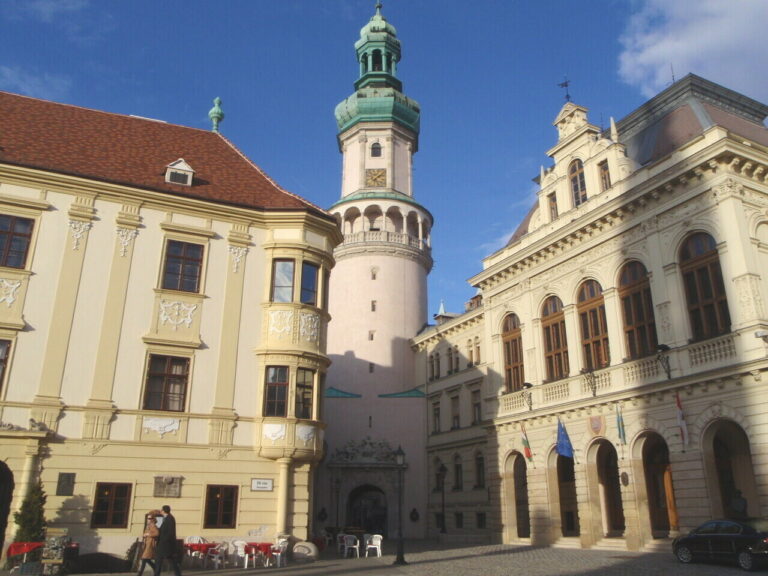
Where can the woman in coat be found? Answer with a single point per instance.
(151, 532)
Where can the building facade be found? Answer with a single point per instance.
(378, 302)
(619, 396)
(163, 313)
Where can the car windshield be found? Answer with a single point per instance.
(759, 524)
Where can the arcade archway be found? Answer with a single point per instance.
(367, 509)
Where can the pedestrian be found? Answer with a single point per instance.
(151, 532)
(166, 543)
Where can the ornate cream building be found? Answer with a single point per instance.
(163, 313)
(628, 307)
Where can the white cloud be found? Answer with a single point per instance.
(45, 10)
(46, 86)
(721, 40)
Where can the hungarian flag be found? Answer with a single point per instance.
(620, 425)
(681, 420)
(526, 444)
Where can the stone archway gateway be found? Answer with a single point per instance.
(367, 509)
(569, 505)
(660, 495)
(609, 490)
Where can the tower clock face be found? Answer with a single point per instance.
(376, 177)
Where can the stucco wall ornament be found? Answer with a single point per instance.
(238, 253)
(176, 313)
(126, 235)
(305, 433)
(310, 327)
(8, 291)
(162, 426)
(365, 451)
(280, 321)
(274, 432)
(9, 427)
(79, 228)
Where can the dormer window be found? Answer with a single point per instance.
(179, 172)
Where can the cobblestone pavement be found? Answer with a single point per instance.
(428, 559)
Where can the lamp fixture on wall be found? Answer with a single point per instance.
(528, 395)
(662, 357)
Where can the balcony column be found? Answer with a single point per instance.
(283, 481)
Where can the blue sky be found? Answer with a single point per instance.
(484, 72)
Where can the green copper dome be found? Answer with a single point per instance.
(378, 96)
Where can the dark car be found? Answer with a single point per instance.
(742, 541)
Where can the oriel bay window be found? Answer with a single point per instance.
(305, 380)
(5, 348)
(275, 402)
(183, 266)
(110, 505)
(220, 506)
(166, 385)
(309, 283)
(594, 328)
(704, 288)
(15, 237)
(555, 341)
(282, 281)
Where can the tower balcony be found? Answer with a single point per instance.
(418, 248)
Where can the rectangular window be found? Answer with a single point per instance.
(309, 277)
(167, 379)
(66, 484)
(436, 417)
(605, 175)
(220, 506)
(455, 420)
(440, 521)
(371, 367)
(110, 506)
(276, 391)
(458, 475)
(373, 305)
(552, 203)
(370, 334)
(15, 237)
(476, 407)
(5, 348)
(282, 281)
(480, 519)
(305, 382)
(183, 265)
(458, 517)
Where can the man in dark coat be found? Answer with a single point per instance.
(166, 543)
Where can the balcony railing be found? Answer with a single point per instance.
(388, 237)
(683, 361)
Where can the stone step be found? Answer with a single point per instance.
(658, 545)
(567, 542)
(610, 544)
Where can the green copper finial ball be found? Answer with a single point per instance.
(216, 114)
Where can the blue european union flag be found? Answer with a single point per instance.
(564, 446)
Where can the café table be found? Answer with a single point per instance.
(261, 549)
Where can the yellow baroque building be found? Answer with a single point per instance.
(162, 329)
(627, 312)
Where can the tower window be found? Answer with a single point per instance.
(370, 334)
(376, 150)
(377, 61)
(552, 203)
(605, 175)
(373, 305)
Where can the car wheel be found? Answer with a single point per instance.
(684, 554)
(746, 561)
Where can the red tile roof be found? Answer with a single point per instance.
(135, 152)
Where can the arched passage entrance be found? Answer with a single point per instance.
(367, 509)
(662, 510)
(516, 487)
(569, 505)
(6, 495)
(609, 490)
(728, 464)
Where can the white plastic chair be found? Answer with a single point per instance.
(217, 555)
(374, 543)
(241, 551)
(280, 553)
(351, 544)
(194, 540)
(340, 543)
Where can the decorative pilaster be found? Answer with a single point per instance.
(96, 423)
(81, 214)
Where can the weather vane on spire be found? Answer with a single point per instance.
(564, 84)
